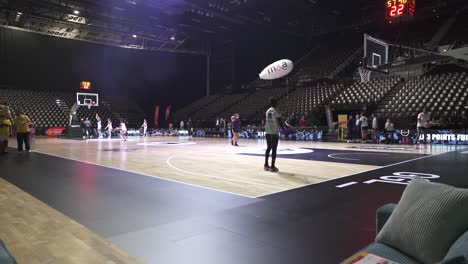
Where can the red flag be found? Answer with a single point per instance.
(156, 115)
(168, 111)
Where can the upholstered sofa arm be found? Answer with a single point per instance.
(383, 213)
(5, 255)
(458, 251)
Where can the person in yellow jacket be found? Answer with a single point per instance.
(22, 123)
(5, 127)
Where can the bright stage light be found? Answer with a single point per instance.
(172, 38)
(76, 12)
(134, 36)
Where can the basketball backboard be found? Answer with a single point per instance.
(375, 52)
(87, 99)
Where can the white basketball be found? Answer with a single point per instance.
(277, 70)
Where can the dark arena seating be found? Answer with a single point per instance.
(306, 100)
(444, 96)
(52, 109)
(360, 94)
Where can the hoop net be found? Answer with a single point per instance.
(365, 74)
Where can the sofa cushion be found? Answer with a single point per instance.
(389, 253)
(459, 249)
(429, 218)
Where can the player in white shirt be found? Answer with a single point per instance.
(145, 127)
(272, 125)
(375, 128)
(422, 124)
(123, 130)
(109, 128)
(99, 125)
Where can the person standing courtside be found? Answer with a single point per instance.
(5, 127)
(272, 124)
(22, 123)
(422, 123)
(145, 127)
(351, 124)
(375, 128)
(364, 127)
(235, 125)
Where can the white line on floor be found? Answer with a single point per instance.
(345, 185)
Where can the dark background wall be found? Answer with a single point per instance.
(39, 62)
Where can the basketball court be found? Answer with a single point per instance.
(215, 164)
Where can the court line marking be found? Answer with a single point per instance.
(168, 162)
(349, 175)
(346, 184)
(147, 175)
(335, 154)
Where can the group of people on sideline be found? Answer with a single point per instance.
(358, 127)
(21, 124)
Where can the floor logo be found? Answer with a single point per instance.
(402, 178)
(170, 143)
(280, 151)
(381, 148)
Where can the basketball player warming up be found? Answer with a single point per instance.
(109, 128)
(272, 125)
(145, 127)
(99, 126)
(123, 129)
(235, 124)
(422, 124)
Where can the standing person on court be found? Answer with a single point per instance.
(272, 125)
(357, 127)
(181, 124)
(109, 128)
(99, 125)
(145, 127)
(375, 128)
(123, 129)
(22, 123)
(364, 127)
(422, 123)
(5, 127)
(87, 127)
(302, 121)
(189, 127)
(351, 124)
(235, 126)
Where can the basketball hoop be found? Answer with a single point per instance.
(365, 74)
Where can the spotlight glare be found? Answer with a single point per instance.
(172, 38)
(76, 12)
(134, 35)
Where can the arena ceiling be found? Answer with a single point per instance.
(185, 25)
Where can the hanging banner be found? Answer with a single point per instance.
(156, 115)
(168, 111)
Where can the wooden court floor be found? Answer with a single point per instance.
(36, 233)
(214, 163)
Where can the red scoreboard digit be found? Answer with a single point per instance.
(398, 8)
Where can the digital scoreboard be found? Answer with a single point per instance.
(399, 8)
